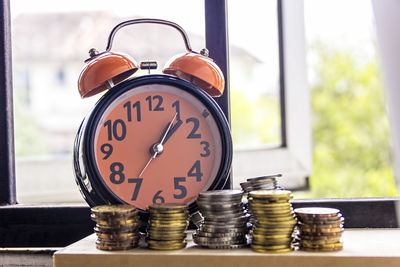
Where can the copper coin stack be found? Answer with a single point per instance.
(320, 229)
(167, 226)
(274, 221)
(116, 226)
(224, 224)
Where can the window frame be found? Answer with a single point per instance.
(60, 225)
(293, 157)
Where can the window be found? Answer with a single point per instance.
(62, 33)
(350, 129)
(59, 225)
(273, 80)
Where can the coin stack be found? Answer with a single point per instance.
(260, 183)
(167, 226)
(116, 226)
(224, 223)
(268, 182)
(274, 220)
(320, 229)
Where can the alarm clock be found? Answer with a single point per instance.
(156, 138)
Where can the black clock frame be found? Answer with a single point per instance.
(86, 170)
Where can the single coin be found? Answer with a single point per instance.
(117, 222)
(273, 237)
(262, 194)
(321, 226)
(322, 238)
(114, 210)
(310, 243)
(221, 194)
(261, 250)
(230, 246)
(321, 249)
(220, 229)
(102, 245)
(165, 223)
(311, 229)
(316, 211)
(266, 177)
(207, 234)
(271, 242)
(329, 245)
(217, 239)
(273, 231)
(117, 236)
(166, 245)
(223, 219)
(168, 206)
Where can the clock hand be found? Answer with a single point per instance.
(158, 147)
(168, 130)
(173, 129)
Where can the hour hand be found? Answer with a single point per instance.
(172, 130)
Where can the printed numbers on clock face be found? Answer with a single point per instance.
(157, 144)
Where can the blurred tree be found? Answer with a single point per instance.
(351, 148)
(28, 141)
(255, 121)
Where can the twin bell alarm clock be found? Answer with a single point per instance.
(156, 138)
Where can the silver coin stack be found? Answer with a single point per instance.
(225, 220)
(261, 183)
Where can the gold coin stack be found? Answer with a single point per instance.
(167, 226)
(320, 229)
(274, 221)
(116, 226)
(268, 182)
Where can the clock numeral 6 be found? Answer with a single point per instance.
(180, 187)
(158, 199)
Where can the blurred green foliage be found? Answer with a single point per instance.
(351, 144)
(254, 121)
(28, 140)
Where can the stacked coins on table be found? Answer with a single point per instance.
(267, 182)
(320, 229)
(167, 226)
(224, 223)
(260, 183)
(274, 220)
(116, 226)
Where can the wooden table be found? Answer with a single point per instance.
(362, 247)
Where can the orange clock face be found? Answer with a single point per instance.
(157, 143)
